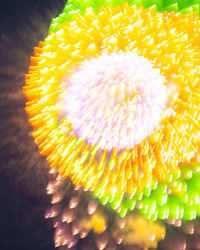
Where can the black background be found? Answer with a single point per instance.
(23, 172)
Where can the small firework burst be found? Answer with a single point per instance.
(115, 101)
(113, 95)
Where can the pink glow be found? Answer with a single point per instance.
(115, 100)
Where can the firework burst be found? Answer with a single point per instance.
(113, 95)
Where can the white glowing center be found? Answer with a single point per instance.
(115, 100)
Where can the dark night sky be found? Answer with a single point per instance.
(23, 172)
